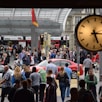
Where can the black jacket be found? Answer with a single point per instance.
(23, 95)
(7, 60)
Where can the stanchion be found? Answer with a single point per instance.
(78, 62)
(100, 66)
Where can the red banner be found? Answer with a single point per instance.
(34, 21)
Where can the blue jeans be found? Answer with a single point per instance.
(62, 89)
(67, 91)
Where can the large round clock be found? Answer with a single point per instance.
(88, 33)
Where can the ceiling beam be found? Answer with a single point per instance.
(23, 27)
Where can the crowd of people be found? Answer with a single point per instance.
(26, 56)
(41, 86)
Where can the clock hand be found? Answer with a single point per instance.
(98, 33)
(94, 33)
(96, 37)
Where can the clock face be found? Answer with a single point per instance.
(88, 33)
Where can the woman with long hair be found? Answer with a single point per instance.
(62, 77)
(17, 75)
(50, 74)
(26, 71)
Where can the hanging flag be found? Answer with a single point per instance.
(34, 21)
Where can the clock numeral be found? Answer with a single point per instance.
(82, 25)
(87, 45)
(80, 32)
(101, 45)
(94, 19)
(82, 39)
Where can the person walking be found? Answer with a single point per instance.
(69, 73)
(62, 77)
(26, 58)
(23, 94)
(6, 58)
(32, 59)
(50, 74)
(87, 63)
(36, 79)
(21, 55)
(52, 66)
(50, 91)
(29, 85)
(91, 81)
(82, 56)
(17, 75)
(6, 83)
(42, 84)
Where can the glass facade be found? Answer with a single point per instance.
(57, 14)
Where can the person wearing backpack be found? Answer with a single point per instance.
(62, 77)
(51, 95)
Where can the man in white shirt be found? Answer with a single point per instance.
(52, 66)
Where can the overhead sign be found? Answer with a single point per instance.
(28, 37)
(59, 38)
(13, 37)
